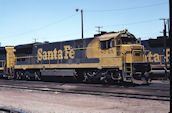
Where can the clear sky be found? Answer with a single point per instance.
(22, 21)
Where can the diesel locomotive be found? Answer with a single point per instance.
(109, 56)
(158, 54)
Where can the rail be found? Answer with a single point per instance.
(9, 110)
(136, 93)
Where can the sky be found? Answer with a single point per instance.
(27, 21)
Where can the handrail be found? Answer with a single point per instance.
(25, 57)
(3, 63)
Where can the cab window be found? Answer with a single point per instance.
(127, 40)
(118, 42)
(107, 44)
(137, 54)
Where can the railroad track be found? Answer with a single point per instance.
(143, 93)
(9, 110)
(157, 86)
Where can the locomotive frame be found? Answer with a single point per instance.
(112, 56)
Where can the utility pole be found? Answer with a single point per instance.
(82, 25)
(170, 38)
(165, 46)
(35, 40)
(99, 27)
(168, 23)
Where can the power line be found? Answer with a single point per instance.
(43, 27)
(129, 8)
(133, 23)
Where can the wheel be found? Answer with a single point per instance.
(27, 75)
(79, 75)
(37, 75)
(18, 75)
(116, 76)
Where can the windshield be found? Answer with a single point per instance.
(128, 40)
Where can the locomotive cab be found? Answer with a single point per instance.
(134, 66)
(7, 61)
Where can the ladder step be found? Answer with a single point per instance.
(128, 78)
(128, 71)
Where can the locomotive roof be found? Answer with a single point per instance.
(25, 48)
(109, 36)
(102, 37)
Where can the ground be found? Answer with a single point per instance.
(48, 102)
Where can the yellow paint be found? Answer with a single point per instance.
(157, 58)
(168, 54)
(55, 54)
(72, 54)
(40, 66)
(45, 55)
(106, 37)
(150, 57)
(109, 57)
(115, 56)
(93, 49)
(69, 53)
(60, 54)
(39, 52)
(51, 55)
(10, 56)
(130, 51)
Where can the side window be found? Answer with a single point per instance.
(105, 44)
(112, 43)
(118, 42)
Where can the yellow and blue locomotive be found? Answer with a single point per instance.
(7, 61)
(112, 56)
(158, 54)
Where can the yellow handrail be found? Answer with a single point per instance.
(26, 57)
(3, 62)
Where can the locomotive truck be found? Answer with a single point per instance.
(109, 56)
